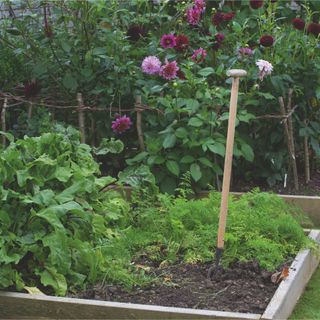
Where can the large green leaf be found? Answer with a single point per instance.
(63, 174)
(206, 71)
(109, 146)
(50, 277)
(169, 141)
(217, 148)
(195, 171)
(173, 167)
(53, 214)
(60, 253)
(69, 81)
(247, 152)
(195, 122)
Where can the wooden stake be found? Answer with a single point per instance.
(3, 120)
(306, 156)
(235, 74)
(291, 132)
(30, 108)
(290, 143)
(139, 123)
(81, 118)
(93, 131)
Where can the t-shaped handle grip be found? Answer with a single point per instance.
(236, 73)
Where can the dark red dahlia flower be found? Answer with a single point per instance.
(266, 41)
(298, 23)
(314, 28)
(228, 16)
(31, 88)
(136, 32)
(182, 42)
(256, 4)
(181, 75)
(217, 18)
(219, 37)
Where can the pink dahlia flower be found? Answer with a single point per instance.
(168, 41)
(194, 15)
(169, 70)
(151, 65)
(199, 55)
(265, 68)
(121, 124)
(200, 4)
(245, 52)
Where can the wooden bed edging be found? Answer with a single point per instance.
(290, 290)
(25, 306)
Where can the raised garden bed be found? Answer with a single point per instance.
(19, 305)
(310, 205)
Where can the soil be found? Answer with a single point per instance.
(244, 287)
(310, 189)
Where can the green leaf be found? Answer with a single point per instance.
(65, 46)
(137, 176)
(245, 117)
(195, 171)
(8, 135)
(181, 133)
(173, 167)
(70, 193)
(205, 162)
(195, 122)
(60, 253)
(104, 181)
(217, 148)
(169, 141)
(138, 158)
(63, 174)
(50, 277)
(13, 31)
(109, 146)
(98, 224)
(206, 71)
(236, 27)
(192, 105)
(247, 152)
(44, 197)
(155, 160)
(69, 82)
(315, 146)
(53, 214)
(187, 159)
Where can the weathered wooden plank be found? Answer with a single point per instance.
(290, 289)
(309, 205)
(24, 306)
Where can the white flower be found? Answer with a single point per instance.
(265, 68)
(293, 6)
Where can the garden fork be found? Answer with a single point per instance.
(235, 74)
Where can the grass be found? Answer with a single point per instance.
(309, 306)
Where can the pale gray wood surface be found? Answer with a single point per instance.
(23, 306)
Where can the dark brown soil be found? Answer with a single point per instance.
(242, 288)
(310, 189)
